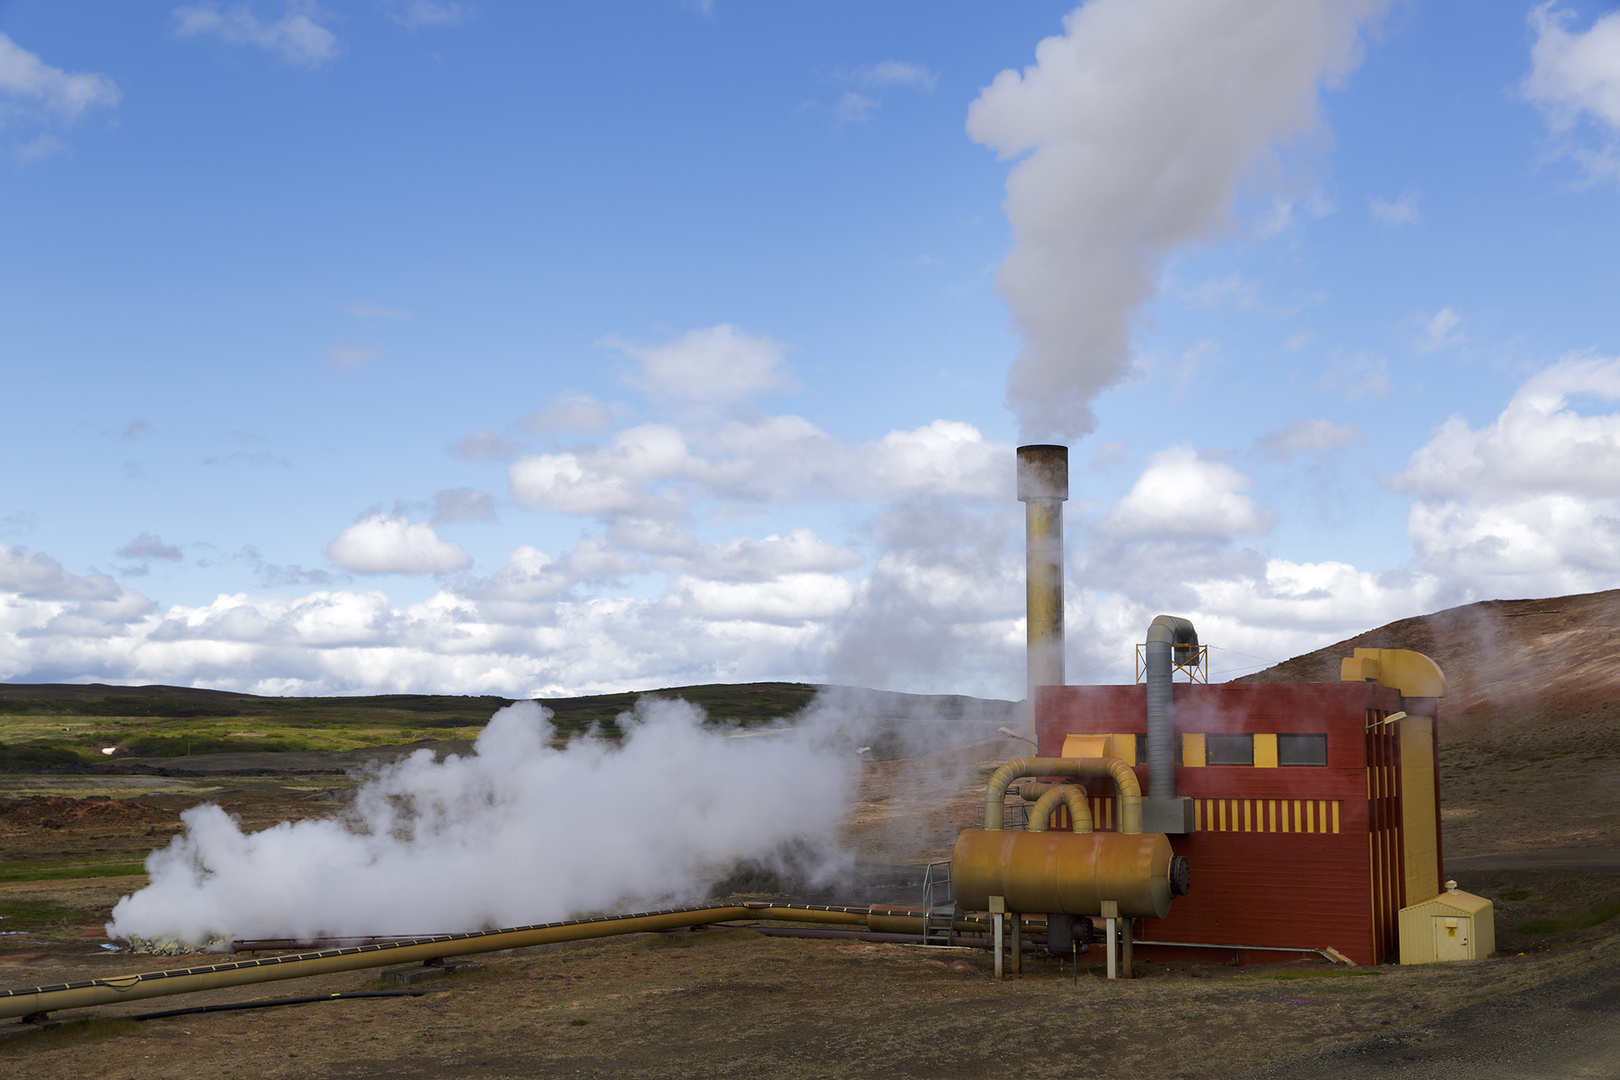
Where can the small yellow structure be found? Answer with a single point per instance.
(1452, 926)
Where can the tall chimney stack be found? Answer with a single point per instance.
(1043, 488)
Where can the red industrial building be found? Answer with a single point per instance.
(1314, 806)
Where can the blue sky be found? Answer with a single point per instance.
(466, 347)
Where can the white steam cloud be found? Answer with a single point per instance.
(518, 832)
(1135, 127)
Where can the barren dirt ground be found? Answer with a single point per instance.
(730, 1002)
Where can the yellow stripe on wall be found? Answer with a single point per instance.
(1261, 815)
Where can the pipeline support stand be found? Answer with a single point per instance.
(998, 907)
(1110, 913)
(1017, 921)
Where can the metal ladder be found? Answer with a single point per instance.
(939, 904)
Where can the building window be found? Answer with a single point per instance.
(1229, 749)
(1301, 749)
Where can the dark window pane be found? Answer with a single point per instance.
(1301, 749)
(1229, 749)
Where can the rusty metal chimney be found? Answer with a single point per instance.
(1043, 488)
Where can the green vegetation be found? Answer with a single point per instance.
(1593, 916)
(44, 920)
(33, 757)
(69, 727)
(66, 869)
(1514, 894)
(726, 704)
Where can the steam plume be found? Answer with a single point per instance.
(515, 833)
(1135, 127)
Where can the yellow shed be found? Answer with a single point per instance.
(1452, 926)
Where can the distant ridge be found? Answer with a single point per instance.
(1513, 666)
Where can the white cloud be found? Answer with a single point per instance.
(390, 544)
(297, 37)
(612, 480)
(788, 600)
(486, 446)
(888, 73)
(1571, 74)
(854, 108)
(46, 98)
(1438, 331)
(462, 504)
(947, 457)
(745, 559)
(720, 364)
(1397, 212)
(26, 80)
(1576, 75)
(1531, 501)
(1180, 495)
(1133, 129)
(1309, 436)
(570, 412)
(147, 546)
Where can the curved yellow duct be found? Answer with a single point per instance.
(1125, 784)
(1070, 795)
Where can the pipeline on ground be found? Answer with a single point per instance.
(38, 1000)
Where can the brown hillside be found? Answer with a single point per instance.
(1513, 666)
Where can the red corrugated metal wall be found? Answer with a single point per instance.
(1305, 856)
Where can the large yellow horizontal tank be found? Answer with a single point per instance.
(1063, 872)
(1452, 926)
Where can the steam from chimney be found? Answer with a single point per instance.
(1134, 129)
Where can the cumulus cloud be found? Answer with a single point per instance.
(1132, 131)
(1307, 437)
(47, 98)
(298, 37)
(745, 559)
(146, 547)
(1530, 501)
(718, 364)
(1399, 211)
(614, 479)
(1180, 494)
(390, 544)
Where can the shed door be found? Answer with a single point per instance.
(1451, 937)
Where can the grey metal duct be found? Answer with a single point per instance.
(1170, 642)
(1043, 487)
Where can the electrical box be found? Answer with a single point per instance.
(1452, 926)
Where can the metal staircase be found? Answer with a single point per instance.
(939, 904)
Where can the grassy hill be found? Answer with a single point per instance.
(67, 726)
